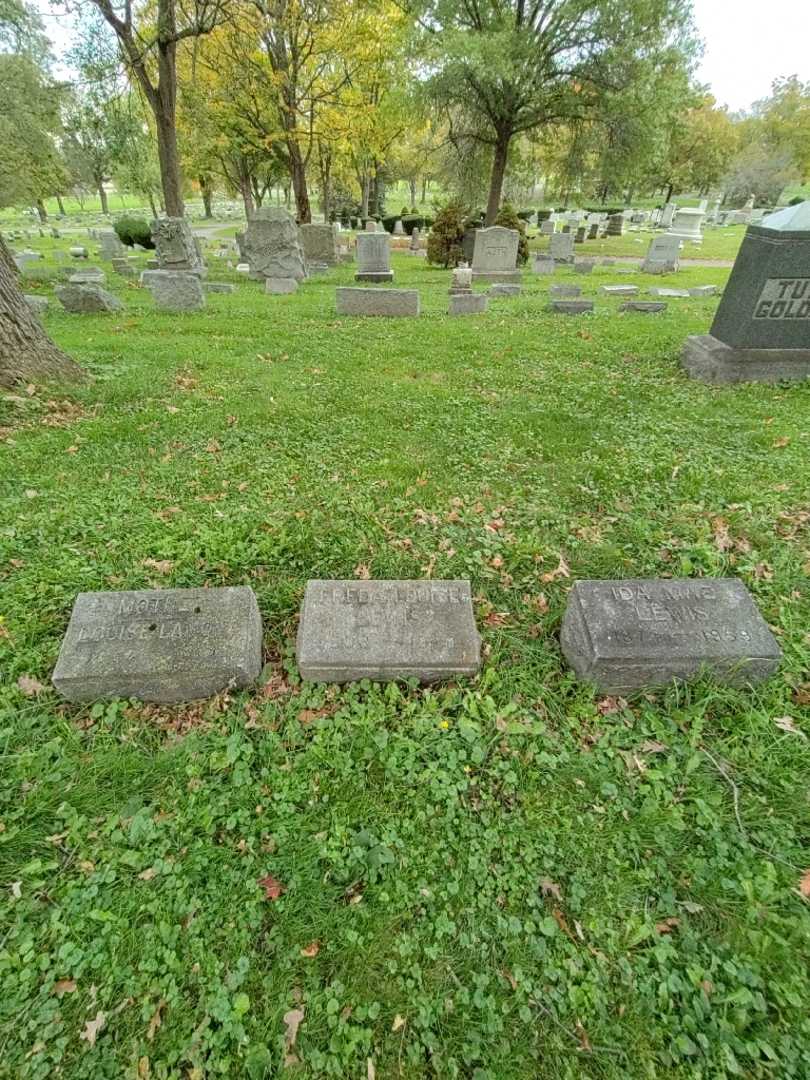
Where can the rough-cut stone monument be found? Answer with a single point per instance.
(86, 299)
(385, 630)
(271, 245)
(631, 634)
(761, 332)
(319, 243)
(354, 300)
(162, 645)
(111, 246)
(495, 255)
(561, 247)
(662, 255)
(175, 245)
(174, 290)
(373, 257)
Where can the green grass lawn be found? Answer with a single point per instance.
(507, 878)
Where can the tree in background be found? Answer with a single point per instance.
(784, 122)
(513, 67)
(701, 142)
(150, 54)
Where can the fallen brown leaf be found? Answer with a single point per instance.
(667, 925)
(148, 874)
(399, 1022)
(273, 888)
(64, 986)
(29, 686)
(550, 888)
(778, 444)
(804, 885)
(292, 1022)
(786, 723)
(92, 1028)
(562, 571)
(311, 950)
(162, 566)
(156, 1020)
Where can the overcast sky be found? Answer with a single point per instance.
(748, 44)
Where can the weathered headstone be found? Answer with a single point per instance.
(280, 286)
(703, 290)
(615, 225)
(547, 228)
(461, 281)
(91, 275)
(78, 252)
(371, 225)
(571, 307)
(218, 287)
(175, 290)
(373, 257)
(619, 290)
(38, 304)
(352, 300)
(672, 294)
(387, 630)
(399, 229)
(761, 331)
(630, 634)
(467, 303)
(584, 266)
(662, 255)
(561, 247)
(667, 214)
(543, 264)
(495, 255)
(644, 307)
(271, 246)
(686, 224)
(164, 645)
(504, 289)
(86, 299)
(563, 291)
(319, 243)
(111, 246)
(123, 267)
(175, 245)
(415, 238)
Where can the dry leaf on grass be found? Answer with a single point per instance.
(64, 986)
(311, 950)
(778, 444)
(666, 926)
(804, 885)
(148, 874)
(156, 1020)
(550, 888)
(787, 724)
(273, 888)
(292, 1022)
(399, 1022)
(92, 1028)
(162, 566)
(562, 571)
(29, 686)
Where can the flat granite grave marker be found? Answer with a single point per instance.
(385, 630)
(354, 300)
(571, 307)
(468, 303)
(630, 634)
(163, 645)
(761, 330)
(645, 307)
(619, 290)
(559, 291)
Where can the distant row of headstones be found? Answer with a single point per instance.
(173, 645)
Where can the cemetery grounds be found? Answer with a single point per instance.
(500, 879)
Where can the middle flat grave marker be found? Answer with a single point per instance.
(386, 630)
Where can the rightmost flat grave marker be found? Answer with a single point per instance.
(632, 634)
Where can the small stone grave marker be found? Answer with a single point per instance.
(629, 634)
(163, 645)
(571, 307)
(495, 255)
(468, 303)
(559, 291)
(645, 307)
(353, 300)
(386, 630)
(619, 290)
(373, 257)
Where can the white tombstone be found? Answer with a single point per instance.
(686, 224)
(667, 214)
(495, 254)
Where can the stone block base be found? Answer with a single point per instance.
(707, 359)
(467, 303)
(368, 275)
(387, 302)
(495, 277)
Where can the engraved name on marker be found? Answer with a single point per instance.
(784, 298)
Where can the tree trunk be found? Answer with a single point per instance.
(412, 185)
(26, 352)
(498, 172)
(424, 189)
(168, 158)
(670, 189)
(246, 192)
(60, 204)
(102, 194)
(365, 193)
(207, 193)
(43, 213)
(298, 175)
(152, 206)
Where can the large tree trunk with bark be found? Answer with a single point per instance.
(152, 206)
(43, 213)
(60, 204)
(412, 186)
(207, 192)
(27, 354)
(498, 172)
(102, 194)
(298, 176)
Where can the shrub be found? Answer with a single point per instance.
(509, 219)
(132, 230)
(796, 200)
(409, 222)
(404, 211)
(445, 239)
(543, 215)
(525, 215)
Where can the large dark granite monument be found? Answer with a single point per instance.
(387, 630)
(761, 332)
(630, 634)
(163, 645)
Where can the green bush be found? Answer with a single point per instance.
(132, 230)
(445, 239)
(796, 200)
(525, 215)
(409, 222)
(509, 219)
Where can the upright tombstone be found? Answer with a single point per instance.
(633, 634)
(561, 247)
(175, 245)
(761, 331)
(387, 630)
(373, 257)
(271, 246)
(415, 237)
(175, 290)
(399, 228)
(495, 254)
(547, 228)
(86, 299)
(686, 224)
(111, 246)
(615, 225)
(667, 214)
(371, 225)
(319, 243)
(662, 255)
(164, 645)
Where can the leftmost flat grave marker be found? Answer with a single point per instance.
(162, 645)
